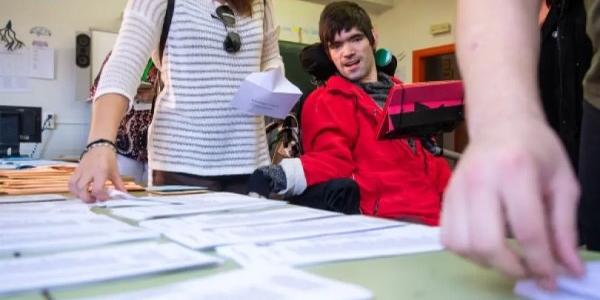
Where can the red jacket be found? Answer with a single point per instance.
(339, 136)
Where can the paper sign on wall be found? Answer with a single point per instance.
(14, 71)
(42, 63)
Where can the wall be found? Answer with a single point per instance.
(405, 28)
(64, 18)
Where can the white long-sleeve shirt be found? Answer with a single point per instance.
(195, 129)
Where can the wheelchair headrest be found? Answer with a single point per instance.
(316, 63)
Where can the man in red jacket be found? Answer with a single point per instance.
(396, 178)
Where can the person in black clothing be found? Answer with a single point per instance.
(565, 54)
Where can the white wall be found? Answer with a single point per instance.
(405, 28)
(64, 18)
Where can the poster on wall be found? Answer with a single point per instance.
(14, 71)
(42, 62)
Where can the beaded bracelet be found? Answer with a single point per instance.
(98, 143)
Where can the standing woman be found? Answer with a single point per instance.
(196, 136)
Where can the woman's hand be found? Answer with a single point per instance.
(98, 165)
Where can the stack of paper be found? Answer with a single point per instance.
(46, 179)
(49, 271)
(200, 239)
(358, 245)
(569, 288)
(254, 283)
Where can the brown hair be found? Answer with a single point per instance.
(242, 7)
(343, 16)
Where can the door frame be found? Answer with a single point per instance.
(418, 72)
(460, 138)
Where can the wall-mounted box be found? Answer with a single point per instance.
(440, 28)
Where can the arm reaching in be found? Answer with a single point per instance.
(138, 36)
(514, 175)
(100, 164)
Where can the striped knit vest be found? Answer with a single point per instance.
(195, 129)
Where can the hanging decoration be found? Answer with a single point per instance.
(9, 37)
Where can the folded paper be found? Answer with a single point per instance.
(267, 93)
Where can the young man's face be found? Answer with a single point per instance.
(353, 56)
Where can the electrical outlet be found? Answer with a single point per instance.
(51, 121)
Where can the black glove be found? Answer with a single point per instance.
(267, 180)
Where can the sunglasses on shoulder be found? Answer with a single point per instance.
(232, 41)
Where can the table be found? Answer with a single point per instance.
(436, 275)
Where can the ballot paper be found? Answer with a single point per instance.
(127, 203)
(267, 93)
(197, 198)
(200, 239)
(47, 235)
(254, 283)
(42, 222)
(58, 207)
(569, 288)
(204, 205)
(288, 214)
(358, 245)
(166, 189)
(123, 199)
(31, 198)
(99, 264)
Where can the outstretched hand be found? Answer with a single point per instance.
(515, 178)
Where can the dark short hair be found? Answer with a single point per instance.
(343, 16)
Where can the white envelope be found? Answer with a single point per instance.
(267, 93)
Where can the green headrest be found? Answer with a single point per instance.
(383, 57)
